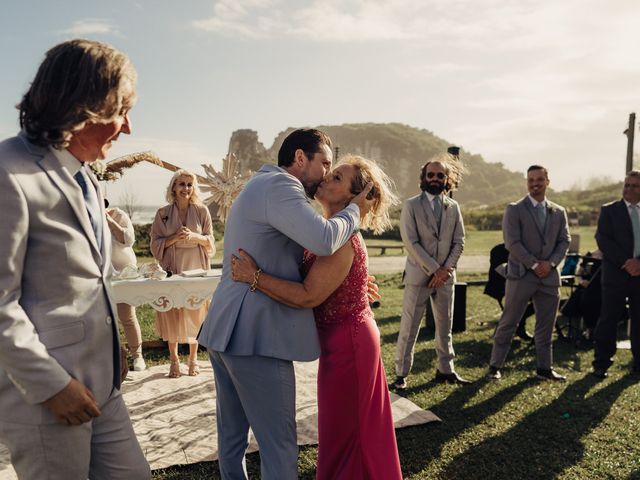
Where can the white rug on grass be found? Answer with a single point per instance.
(174, 419)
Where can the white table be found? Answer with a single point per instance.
(172, 292)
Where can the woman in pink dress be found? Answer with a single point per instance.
(182, 239)
(356, 437)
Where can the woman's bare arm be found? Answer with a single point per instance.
(325, 276)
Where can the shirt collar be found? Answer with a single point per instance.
(629, 204)
(535, 203)
(430, 196)
(67, 160)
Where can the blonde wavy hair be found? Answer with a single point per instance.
(195, 195)
(377, 219)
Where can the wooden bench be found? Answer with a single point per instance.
(384, 248)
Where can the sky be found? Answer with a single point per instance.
(518, 82)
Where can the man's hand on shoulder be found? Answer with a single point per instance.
(632, 267)
(361, 200)
(74, 404)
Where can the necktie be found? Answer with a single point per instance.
(635, 222)
(541, 214)
(91, 202)
(437, 208)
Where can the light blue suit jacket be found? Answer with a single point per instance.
(272, 220)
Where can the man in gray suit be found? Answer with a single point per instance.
(433, 233)
(61, 412)
(618, 236)
(536, 234)
(253, 340)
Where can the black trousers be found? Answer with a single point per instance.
(614, 298)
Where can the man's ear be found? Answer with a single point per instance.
(299, 157)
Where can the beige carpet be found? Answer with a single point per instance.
(174, 419)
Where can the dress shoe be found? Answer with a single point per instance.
(600, 373)
(399, 384)
(139, 365)
(550, 374)
(494, 373)
(452, 377)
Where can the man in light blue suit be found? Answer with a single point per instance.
(253, 340)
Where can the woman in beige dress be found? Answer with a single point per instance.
(182, 239)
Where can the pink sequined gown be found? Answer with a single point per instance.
(356, 438)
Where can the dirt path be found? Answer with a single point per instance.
(389, 264)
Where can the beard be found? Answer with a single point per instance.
(434, 188)
(311, 188)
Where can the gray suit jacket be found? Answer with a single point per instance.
(273, 220)
(527, 242)
(56, 318)
(429, 248)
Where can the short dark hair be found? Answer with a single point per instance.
(538, 167)
(306, 139)
(79, 81)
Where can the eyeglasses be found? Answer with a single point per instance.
(440, 175)
(184, 184)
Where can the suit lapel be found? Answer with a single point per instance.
(624, 220)
(70, 189)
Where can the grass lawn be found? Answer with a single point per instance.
(517, 428)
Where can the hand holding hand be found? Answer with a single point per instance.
(543, 269)
(243, 267)
(440, 277)
(74, 404)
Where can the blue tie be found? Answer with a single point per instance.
(91, 202)
(541, 214)
(635, 222)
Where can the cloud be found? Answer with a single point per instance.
(89, 26)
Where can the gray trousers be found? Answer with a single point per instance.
(106, 448)
(257, 392)
(545, 301)
(413, 309)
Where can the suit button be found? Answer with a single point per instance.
(109, 320)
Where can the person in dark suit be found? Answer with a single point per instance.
(536, 234)
(618, 236)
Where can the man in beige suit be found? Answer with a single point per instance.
(61, 412)
(537, 236)
(433, 234)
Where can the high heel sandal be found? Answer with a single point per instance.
(194, 370)
(174, 369)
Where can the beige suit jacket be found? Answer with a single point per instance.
(429, 247)
(56, 319)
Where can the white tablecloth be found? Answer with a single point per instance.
(173, 292)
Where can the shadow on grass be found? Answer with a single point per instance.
(531, 446)
(457, 417)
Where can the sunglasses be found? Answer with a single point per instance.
(440, 175)
(183, 184)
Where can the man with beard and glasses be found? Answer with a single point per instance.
(433, 234)
(536, 234)
(252, 339)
